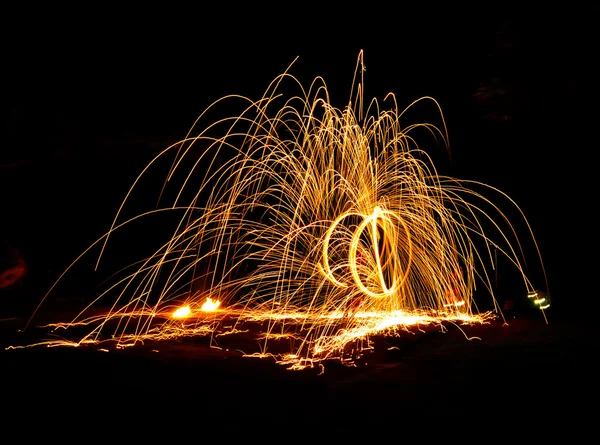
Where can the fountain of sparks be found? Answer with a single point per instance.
(309, 226)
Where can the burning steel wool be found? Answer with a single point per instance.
(310, 227)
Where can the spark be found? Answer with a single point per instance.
(316, 227)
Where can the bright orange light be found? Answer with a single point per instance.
(182, 312)
(210, 305)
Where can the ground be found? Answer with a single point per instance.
(526, 375)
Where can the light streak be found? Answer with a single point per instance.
(312, 228)
(539, 299)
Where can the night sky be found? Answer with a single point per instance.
(91, 98)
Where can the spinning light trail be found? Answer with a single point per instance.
(311, 227)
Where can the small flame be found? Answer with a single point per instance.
(182, 312)
(210, 305)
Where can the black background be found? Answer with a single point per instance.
(90, 96)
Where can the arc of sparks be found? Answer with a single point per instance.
(299, 213)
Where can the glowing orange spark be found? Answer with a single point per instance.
(210, 305)
(182, 312)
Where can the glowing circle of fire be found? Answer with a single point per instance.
(311, 227)
(379, 219)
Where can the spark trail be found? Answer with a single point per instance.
(310, 223)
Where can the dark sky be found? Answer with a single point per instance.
(90, 96)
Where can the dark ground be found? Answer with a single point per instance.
(526, 378)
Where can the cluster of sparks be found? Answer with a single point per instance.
(311, 226)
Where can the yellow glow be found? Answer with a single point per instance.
(182, 312)
(210, 305)
(317, 227)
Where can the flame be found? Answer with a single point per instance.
(210, 305)
(182, 312)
